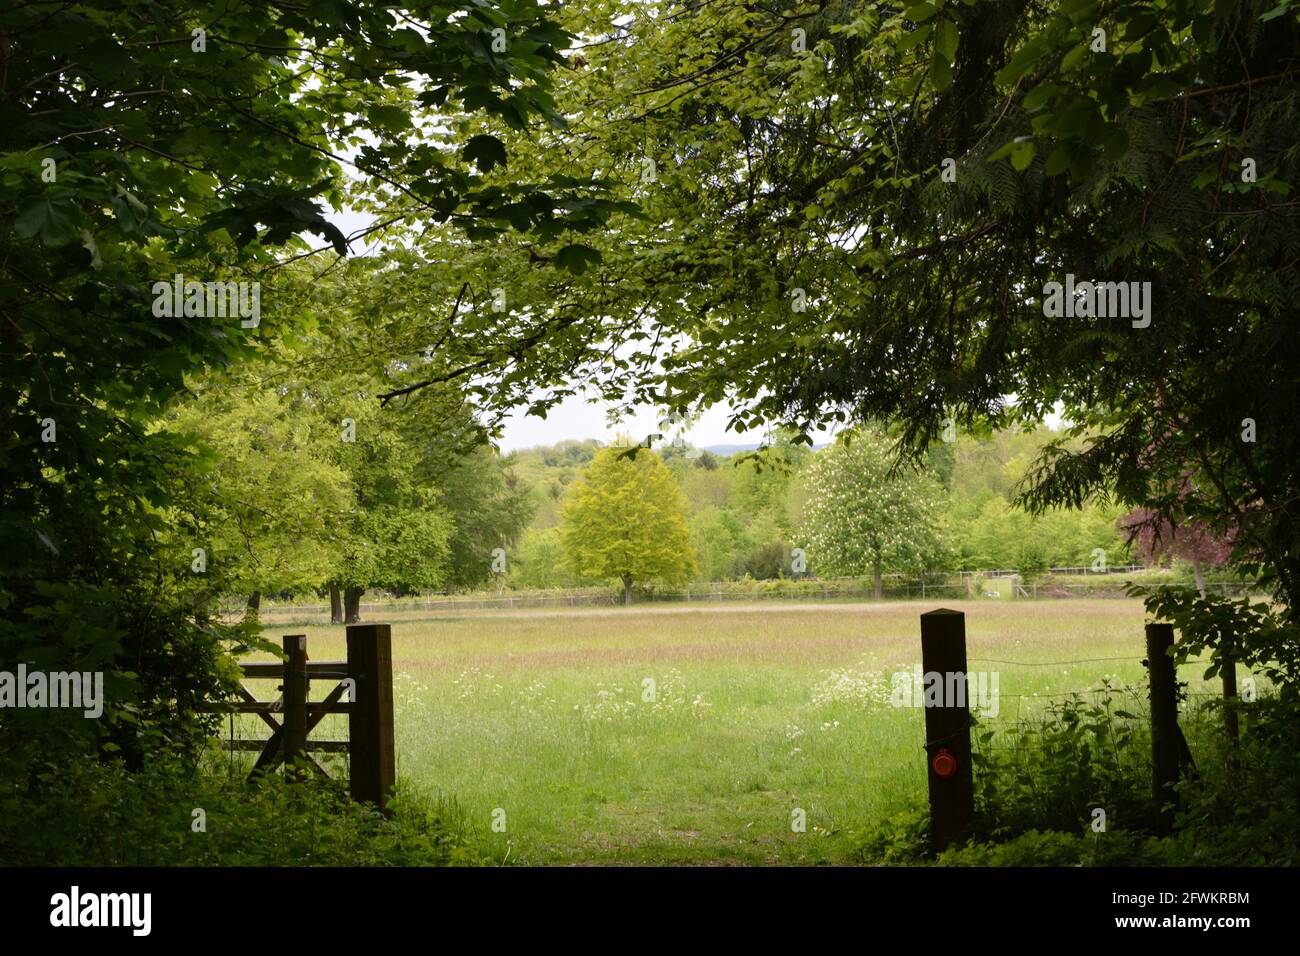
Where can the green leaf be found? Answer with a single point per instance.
(1022, 154)
(940, 73)
(920, 11)
(1039, 95)
(1003, 151)
(486, 151)
(576, 258)
(917, 36)
(1021, 61)
(1072, 58)
(945, 39)
(392, 118)
(54, 219)
(1058, 162)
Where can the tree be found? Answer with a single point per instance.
(488, 508)
(874, 224)
(141, 141)
(863, 516)
(1157, 537)
(720, 541)
(625, 518)
(269, 489)
(539, 561)
(394, 533)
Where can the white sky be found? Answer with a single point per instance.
(577, 418)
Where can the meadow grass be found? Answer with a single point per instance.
(669, 734)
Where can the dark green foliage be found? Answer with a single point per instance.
(1050, 774)
(130, 151)
(1252, 633)
(1167, 155)
(77, 813)
(1241, 809)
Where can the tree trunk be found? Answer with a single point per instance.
(880, 592)
(253, 607)
(1200, 577)
(336, 604)
(627, 589)
(352, 605)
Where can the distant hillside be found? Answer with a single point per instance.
(726, 450)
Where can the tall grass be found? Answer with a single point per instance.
(660, 735)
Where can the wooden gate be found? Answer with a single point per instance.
(364, 692)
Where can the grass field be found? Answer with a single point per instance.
(668, 734)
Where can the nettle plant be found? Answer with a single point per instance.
(1079, 755)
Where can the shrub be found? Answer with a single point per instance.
(1078, 756)
(1241, 809)
(88, 813)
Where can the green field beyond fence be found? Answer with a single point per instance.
(661, 734)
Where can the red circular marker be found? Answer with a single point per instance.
(944, 764)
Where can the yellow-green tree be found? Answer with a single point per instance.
(625, 518)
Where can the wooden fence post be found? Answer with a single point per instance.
(1165, 738)
(947, 728)
(370, 722)
(1228, 666)
(295, 685)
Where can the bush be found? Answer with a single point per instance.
(1080, 755)
(1242, 809)
(86, 813)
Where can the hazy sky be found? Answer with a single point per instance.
(575, 418)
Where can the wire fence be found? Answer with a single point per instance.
(974, 586)
(1031, 730)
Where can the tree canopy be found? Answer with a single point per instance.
(151, 143)
(625, 518)
(859, 212)
(865, 516)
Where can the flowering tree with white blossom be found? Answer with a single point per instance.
(864, 514)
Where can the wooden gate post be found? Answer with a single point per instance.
(295, 686)
(1228, 667)
(370, 723)
(947, 728)
(1165, 739)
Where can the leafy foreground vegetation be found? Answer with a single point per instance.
(97, 814)
(1244, 810)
